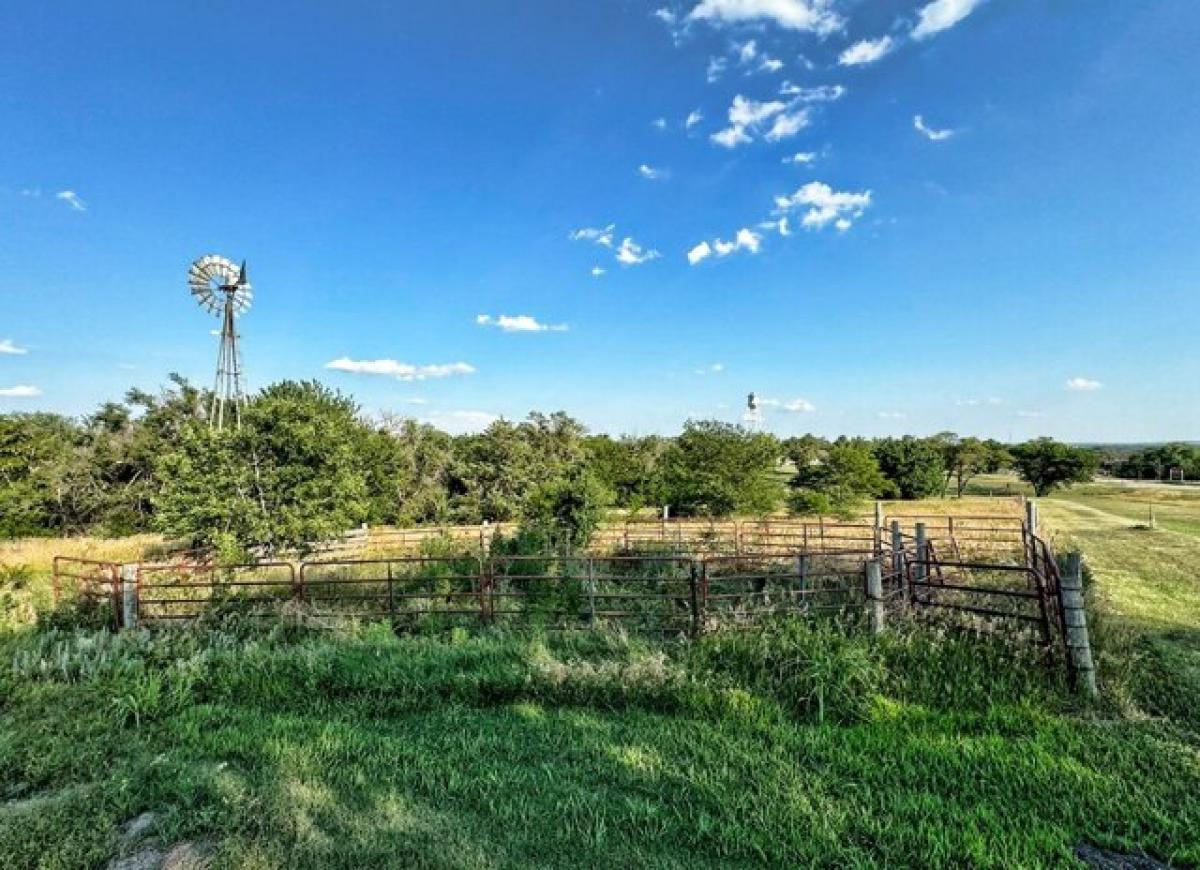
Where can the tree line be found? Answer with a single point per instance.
(306, 465)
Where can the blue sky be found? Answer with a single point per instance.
(1024, 261)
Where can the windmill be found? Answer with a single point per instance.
(753, 416)
(221, 288)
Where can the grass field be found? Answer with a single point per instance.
(289, 747)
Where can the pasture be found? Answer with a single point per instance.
(286, 745)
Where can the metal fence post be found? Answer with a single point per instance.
(1079, 646)
(878, 528)
(875, 615)
(898, 568)
(591, 590)
(129, 596)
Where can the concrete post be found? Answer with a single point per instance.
(1079, 645)
(1031, 516)
(875, 616)
(129, 596)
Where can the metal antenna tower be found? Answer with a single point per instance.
(221, 288)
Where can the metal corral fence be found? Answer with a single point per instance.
(980, 573)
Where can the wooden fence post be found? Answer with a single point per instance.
(129, 596)
(875, 616)
(921, 567)
(1079, 646)
(878, 528)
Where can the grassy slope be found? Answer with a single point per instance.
(361, 749)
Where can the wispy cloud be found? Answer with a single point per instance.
(22, 391)
(818, 94)
(711, 369)
(72, 199)
(601, 236)
(974, 403)
(1083, 385)
(791, 406)
(666, 16)
(1030, 415)
(401, 371)
(7, 346)
(787, 125)
(809, 15)
(716, 68)
(651, 173)
(659, 123)
(929, 132)
(458, 422)
(744, 240)
(745, 115)
(825, 205)
(800, 158)
(630, 253)
(866, 51)
(518, 323)
(941, 15)
(694, 117)
(890, 415)
(597, 271)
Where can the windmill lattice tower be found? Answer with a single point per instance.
(221, 288)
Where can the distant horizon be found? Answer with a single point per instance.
(907, 216)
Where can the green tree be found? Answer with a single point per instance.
(914, 465)
(967, 458)
(630, 468)
(407, 466)
(718, 469)
(1047, 464)
(838, 481)
(289, 477)
(567, 510)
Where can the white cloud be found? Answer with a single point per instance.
(31, 192)
(22, 391)
(782, 225)
(8, 347)
(818, 94)
(659, 123)
(1083, 385)
(592, 234)
(458, 422)
(597, 271)
(651, 173)
(518, 323)
(743, 240)
(825, 205)
(792, 406)
(866, 51)
(941, 15)
(632, 254)
(746, 114)
(801, 158)
(787, 125)
(401, 371)
(414, 400)
(731, 137)
(811, 15)
(972, 403)
(1030, 415)
(711, 369)
(699, 252)
(694, 117)
(746, 51)
(770, 65)
(799, 406)
(72, 199)
(716, 68)
(666, 16)
(929, 132)
(891, 415)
